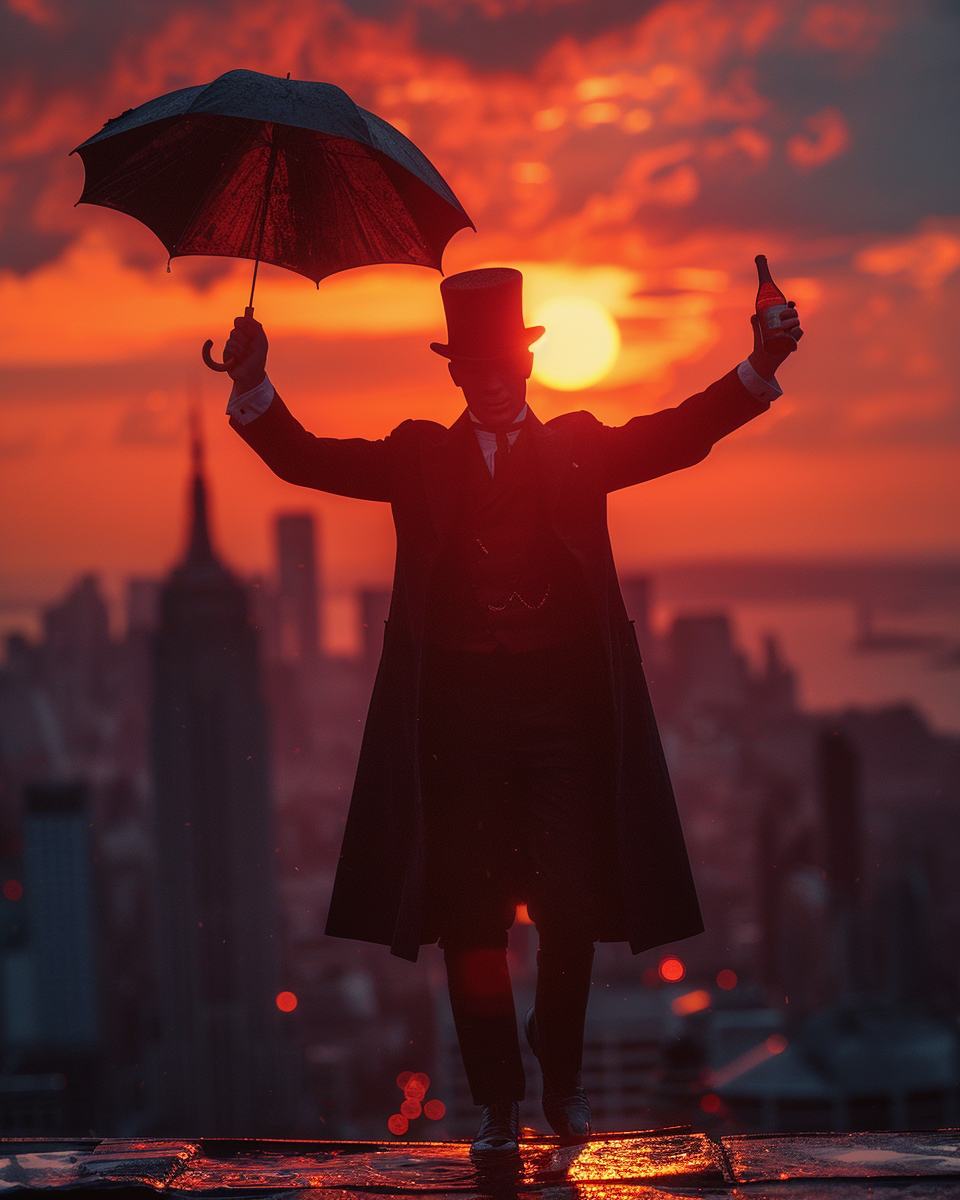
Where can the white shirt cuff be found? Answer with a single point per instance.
(758, 387)
(247, 406)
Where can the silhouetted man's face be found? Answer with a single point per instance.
(496, 389)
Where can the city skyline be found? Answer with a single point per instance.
(743, 749)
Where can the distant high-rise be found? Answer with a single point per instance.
(143, 602)
(77, 652)
(838, 768)
(80, 623)
(708, 669)
(223, 1057)
(839, 778)
(58, 1009)
(298, 591)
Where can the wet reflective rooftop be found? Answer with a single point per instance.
(654, 1166)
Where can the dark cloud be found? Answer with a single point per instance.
(81, 38)
(878, 78)
(22, 245)
(516, 40)
(901, 106)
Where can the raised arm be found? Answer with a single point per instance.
(345, 466)
(674, 438)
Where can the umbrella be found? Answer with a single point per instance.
(282, 171)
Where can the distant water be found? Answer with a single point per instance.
(817, 639)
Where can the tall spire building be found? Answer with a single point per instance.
(224, 1066)
(298, 590)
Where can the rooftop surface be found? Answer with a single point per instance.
(649, 1166)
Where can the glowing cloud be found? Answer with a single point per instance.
(108, 310)
(827, 137)
(926, 258)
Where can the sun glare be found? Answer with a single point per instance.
(580, 346)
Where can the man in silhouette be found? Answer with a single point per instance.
(510, 753)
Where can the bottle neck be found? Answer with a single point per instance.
(762, 269)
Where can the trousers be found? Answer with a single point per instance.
(515, 774)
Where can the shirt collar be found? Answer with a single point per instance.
(516, 421)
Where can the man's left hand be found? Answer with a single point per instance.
(763, 362)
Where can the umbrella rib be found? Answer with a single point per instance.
(271, 170)
(198, 207)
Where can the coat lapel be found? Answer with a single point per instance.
(442, 462)
(553, 451)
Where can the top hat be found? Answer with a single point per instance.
(485, 315)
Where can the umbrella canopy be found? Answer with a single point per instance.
(277, 170)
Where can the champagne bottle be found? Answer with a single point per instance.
(771, 304)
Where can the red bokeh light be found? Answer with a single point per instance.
(727, 980)
(398, 1124)
(671, 969)
(523, 917)
(435, 1110)
(411, 1109)
(403, 1079)
(286, 1002)
(690, 1002)
(776, 1043)
(12, 889)
(417, 1086)
(711, 1103)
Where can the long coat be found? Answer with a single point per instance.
(379, 892)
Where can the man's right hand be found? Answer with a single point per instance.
(246, 350)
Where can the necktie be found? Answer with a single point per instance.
(503, 450)
(503, 442)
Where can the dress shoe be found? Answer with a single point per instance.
(568, 1112)
(498, 1138)
(565, 1103)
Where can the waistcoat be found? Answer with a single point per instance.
(504, 578)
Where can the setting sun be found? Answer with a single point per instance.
(580, 346)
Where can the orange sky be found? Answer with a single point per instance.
(643, 165)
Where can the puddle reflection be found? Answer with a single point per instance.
(651, 1167)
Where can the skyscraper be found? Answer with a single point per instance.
(62, 952)
(223, 1058)
(298, 587)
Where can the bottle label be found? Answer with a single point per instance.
(771, 315)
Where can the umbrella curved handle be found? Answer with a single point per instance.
(208, 344)
(211, 361)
